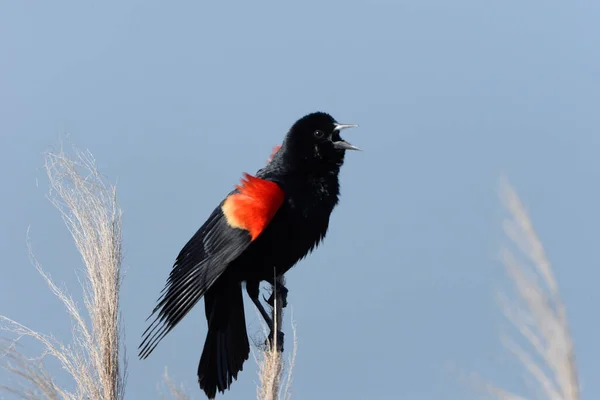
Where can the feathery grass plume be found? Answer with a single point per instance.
(88, 205)
(541, 319)
(177, 393)
(32, 371)
(271, 365)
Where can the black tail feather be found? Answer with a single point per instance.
(226, 346)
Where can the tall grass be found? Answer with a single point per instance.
(538, 313)
(88, 205)
(177, 392)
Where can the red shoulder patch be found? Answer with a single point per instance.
(254, 206)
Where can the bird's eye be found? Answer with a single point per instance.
(319, 134)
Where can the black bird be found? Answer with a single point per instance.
(268, 222)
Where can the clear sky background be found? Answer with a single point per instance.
(177, 99)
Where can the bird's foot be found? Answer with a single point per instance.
(269, 341)
(283, 292)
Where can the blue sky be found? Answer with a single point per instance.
(177, 99)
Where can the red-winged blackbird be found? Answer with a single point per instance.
(263, 227)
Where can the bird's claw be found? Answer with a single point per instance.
(269, 341)
(271, 300)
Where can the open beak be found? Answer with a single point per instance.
(342, 144)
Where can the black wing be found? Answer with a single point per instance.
(201, 261)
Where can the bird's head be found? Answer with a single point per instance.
(315, 139)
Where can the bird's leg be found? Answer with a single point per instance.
(253, 290)
(279, 295)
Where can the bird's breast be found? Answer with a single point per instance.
(297, 228)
